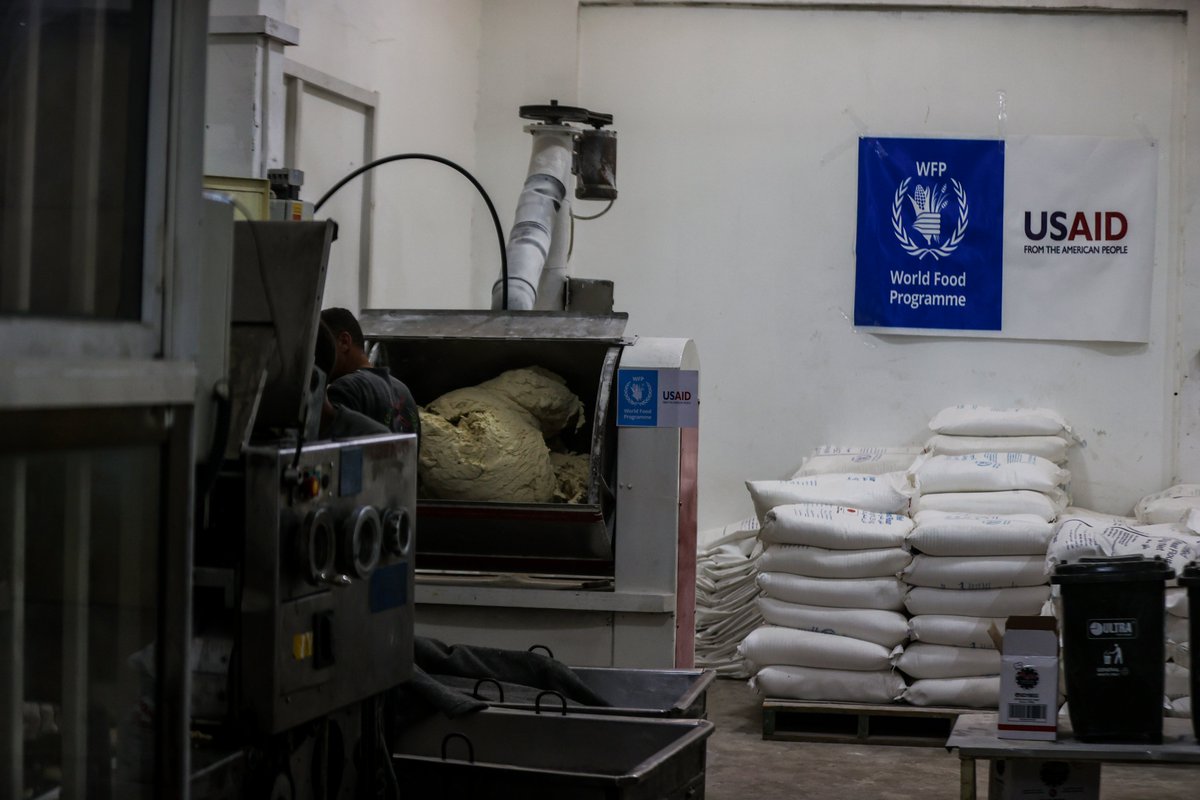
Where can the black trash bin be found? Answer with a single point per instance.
(1113, 646)
(1190, 577)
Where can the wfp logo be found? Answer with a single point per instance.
(928, 213)
(638, 391)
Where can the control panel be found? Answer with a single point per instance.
(327, 595)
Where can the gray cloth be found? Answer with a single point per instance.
(511, 666)
(422, 695)
(375, 392)
(445, 692)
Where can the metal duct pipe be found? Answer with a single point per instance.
(531, 244)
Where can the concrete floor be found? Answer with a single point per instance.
(742, 766)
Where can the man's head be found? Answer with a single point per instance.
(348, 338)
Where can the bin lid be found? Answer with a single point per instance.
(1190, 575)
(1112, 569)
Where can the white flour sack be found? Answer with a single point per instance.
(940, 533)
(771, 646)
(887, 493)
(986, 472)
(1019, 501)
(1076, 538)
(819, 562)
(807, 683)
(715, 538)
(886, 628)
(976, 572)
(834, 527)
(1181, 707)
(884, 593)
(1051, 448)
(1181, 653)
(1177, 629)
(1177, 602)
(985, 421)
(1024, 601)
(1095, 518)
(921, 660)
(969, 692)
(955, 631)
(863, 460)
(1169, 505)
(1177, 681)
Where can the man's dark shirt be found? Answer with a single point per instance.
(373, 391)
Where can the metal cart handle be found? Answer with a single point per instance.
(496, 683)
(463, 736)
(537, 701)
(541, 647)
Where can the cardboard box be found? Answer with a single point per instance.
(1029, 679)
(1031, 779)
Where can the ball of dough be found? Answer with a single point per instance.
(542, 393)
(571, 471)
(488, 442)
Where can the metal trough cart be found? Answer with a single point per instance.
(502, 753)
(660, 693)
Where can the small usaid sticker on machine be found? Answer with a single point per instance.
(658, 398)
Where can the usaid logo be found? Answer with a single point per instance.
(936, 212)
(1112, 629)
(1103, 226)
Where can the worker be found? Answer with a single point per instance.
(357, 385)
(337, 421)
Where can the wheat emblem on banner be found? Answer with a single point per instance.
(928, 203)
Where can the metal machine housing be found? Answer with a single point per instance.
(608, 582)
(321, 639)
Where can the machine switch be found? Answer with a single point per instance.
(302, 645)
(308, 486)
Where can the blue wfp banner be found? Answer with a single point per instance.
(930, 233)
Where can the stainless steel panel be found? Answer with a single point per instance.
(278, 281)
(472, 324)
(312, 646)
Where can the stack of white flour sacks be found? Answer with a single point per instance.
(832, 601)
(987, 492)
(725, 593)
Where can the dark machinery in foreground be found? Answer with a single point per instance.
(303, 566)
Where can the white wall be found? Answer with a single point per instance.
(735, 225)
(423, 59)
(329, 144)
(736, 221)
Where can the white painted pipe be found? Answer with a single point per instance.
(537, 229)
(552, 287)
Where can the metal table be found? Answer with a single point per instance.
(974, 736)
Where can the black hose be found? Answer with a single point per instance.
(462, 171)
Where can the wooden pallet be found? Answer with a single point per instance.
(855, 723)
